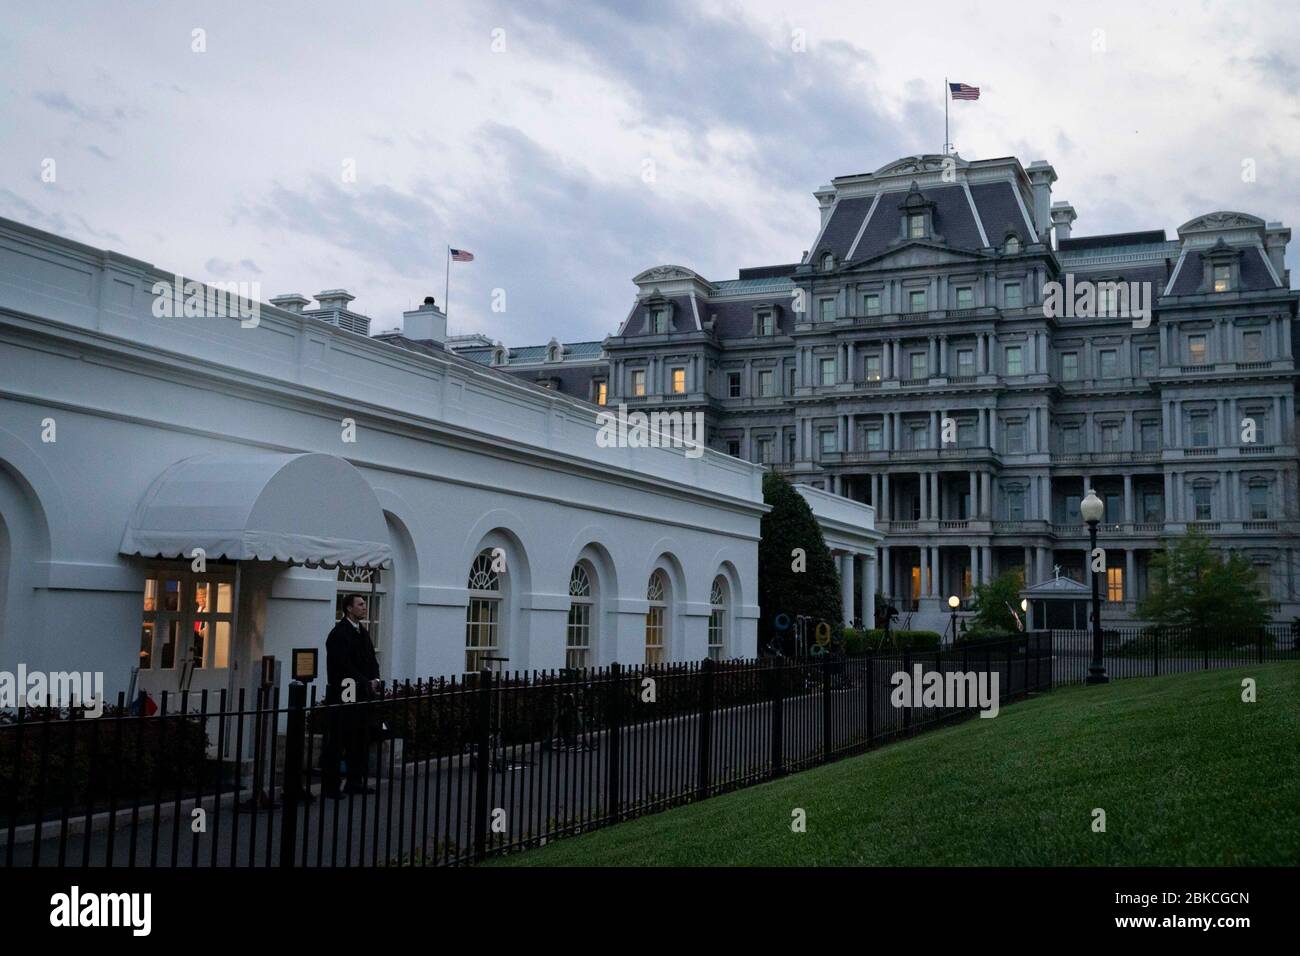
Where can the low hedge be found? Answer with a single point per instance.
(858, 643)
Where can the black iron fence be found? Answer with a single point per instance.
(461, 769)
(1151, 651)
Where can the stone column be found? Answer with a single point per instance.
(923, 489)
(986, 495)
(1130, 575)
(883, 513)
(846, 587)
(886, 572)
(974, 566)
(868, 590)
(936, 498)
(986, 561)
(973, 509)
(1029, 566)
(1128, 498)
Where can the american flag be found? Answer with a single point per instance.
(960, 91)
(460, 255)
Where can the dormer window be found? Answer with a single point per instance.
(1012, 246)
(917, 217)
(766, 323)
(916, 225)
(828, 262)
(1223, 278)
(553, 353)
(499, 357)
(659, 321)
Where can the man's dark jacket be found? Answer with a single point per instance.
(349, 653)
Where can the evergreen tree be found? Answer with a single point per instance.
(997, 603)
(1192, 586)
(787, 583)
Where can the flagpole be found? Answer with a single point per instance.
(446, 288)
(945, 116)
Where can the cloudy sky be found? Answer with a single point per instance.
(322, 144)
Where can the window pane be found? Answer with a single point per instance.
(1070, 366)
(221, 647)
(151, 594)
(171, 637)
(146, 646)
(225, 595)
(1013, 295)
(1013, 360)
(198, 649)
(171, 595)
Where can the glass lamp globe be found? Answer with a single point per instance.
(1091, 507)
(954, 602)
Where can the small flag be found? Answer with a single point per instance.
(460, 255)
(960, 91)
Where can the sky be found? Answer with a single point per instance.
(317, 145)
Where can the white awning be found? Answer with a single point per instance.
(303, 509)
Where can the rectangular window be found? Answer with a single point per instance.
(1223, 278)
(1252, 346)
(1201, 502)
(715, 634)
(918, 365)
(1152, 506)
(1012, 295)
(1072, 513)
(679, 381)
(578, 635)
(919, 434)
(871, 304)
(733, 447)
(1264, 574)
(766, 383)
(966, 434)
(638, 382)
(1013, 364)
(827, 437)
(1016, 504)
(1016, 437)
(965, 298)
(1150, 436)
(790, 442)
(1201, 431)
(827, 368)
(660, 321)
(826, 309)
(872, 368)
(1070, 443)
(654, 635)
(875, 439)
(916, 300)
(1258, 494)
(1196, 349)
(481, 628)
(1069, 366)
(965, 361)
(1147, 361)
(1115, 585)
(790, 384)
(1109, 363)
(916, 225)
(733, 385)
(1110, 438)
(602, 392)
(764, 451)
(766, 324)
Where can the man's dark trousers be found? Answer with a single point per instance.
(349, 655)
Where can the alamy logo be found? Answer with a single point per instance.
(656, 430)
(946, 689)
(53, 689)
(75, 908)
(1098, 300)
(195, 300)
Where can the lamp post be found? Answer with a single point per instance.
(1092, 509)
(954, 602)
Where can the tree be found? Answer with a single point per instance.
(997, 603)
(813, 589)
(1195, 587)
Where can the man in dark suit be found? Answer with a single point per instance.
(352, 679)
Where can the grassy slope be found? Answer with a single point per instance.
(1186, 772)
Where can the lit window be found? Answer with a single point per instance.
(718, 619)
(679, 381)
(871, 304)
(602, 393)
(1223, 278)
(916, 300)
(1264, 575)
(827, 367)
(1109, 363)
(1069, 366)
(766, 386)
(656, 592)
(965, 298)
(872, 368)
(638, 382)
(1196, 349)
(483, 615)
(1014, 364)
(577, 651)
(1115, 585)
(186, 621)
(1012, 295)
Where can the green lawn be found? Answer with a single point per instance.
(1187, 773)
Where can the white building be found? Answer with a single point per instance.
(297, 454)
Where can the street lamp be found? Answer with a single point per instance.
(1092, 509)
(954, 602)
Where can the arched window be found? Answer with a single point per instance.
(718, 619)
(577, 651)
(828, 262)
(1013, 245)
(499, 357)
(483, 616)
(656, 594)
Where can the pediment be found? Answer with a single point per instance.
(917, 252)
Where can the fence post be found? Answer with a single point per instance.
(907, 704)
(871, 707)
(615, 721)
(703, 748)
(826, 707)
(293, 791)
(483, 764)
(776, 675)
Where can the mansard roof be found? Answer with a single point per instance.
(1254, 273)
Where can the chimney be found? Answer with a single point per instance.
(332, 307)
(1041, 177)
(1063, 215)
(333, 300)
(425, 323)
(1276, 236)
(290, 302)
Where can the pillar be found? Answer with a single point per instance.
(974, 565)
(846, 587)
(986, 495)
(923, 489)
(986, 571)
(1130, 574)
(1128, 498)
(868, 586)
(886, 572)
(973, 510)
